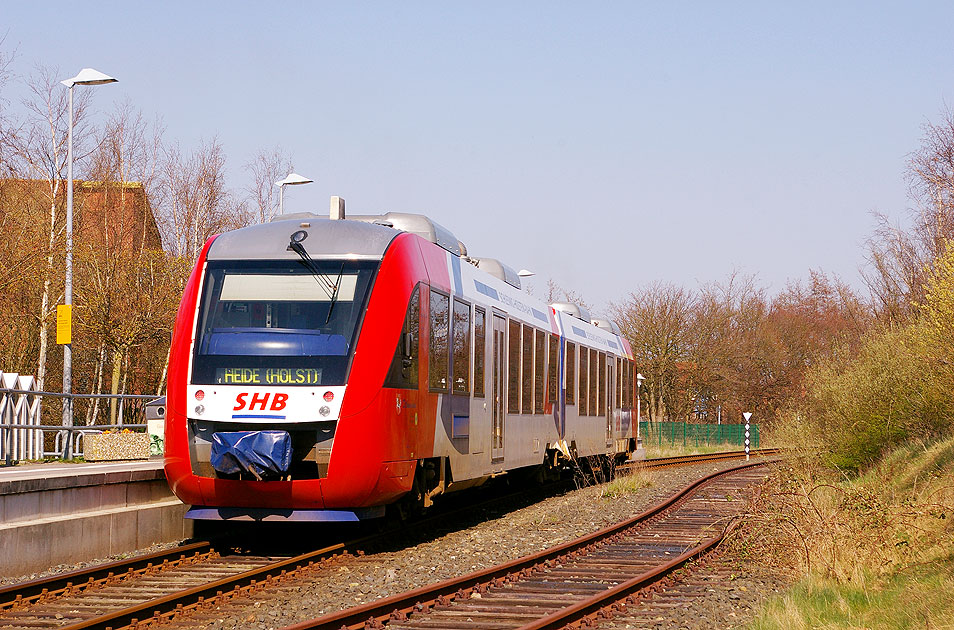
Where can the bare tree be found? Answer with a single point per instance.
(556, 293)
(6, 61)
(267, 167)
(196, 202)
(657, 322)
(125, 164)
(38, 151)
(129, 152)
(901, 260)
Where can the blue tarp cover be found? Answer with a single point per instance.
(260, 453)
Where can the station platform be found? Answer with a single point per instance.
(62, 513)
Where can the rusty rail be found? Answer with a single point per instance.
(20, 596)
(399, 607)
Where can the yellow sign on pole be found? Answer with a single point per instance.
(64, 324)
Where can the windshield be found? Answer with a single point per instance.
(279, 323)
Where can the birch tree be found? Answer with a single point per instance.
(196, 202)
(267, 167)
(125, 163)
(38, 151)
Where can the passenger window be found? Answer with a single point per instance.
(526, 405)
(513, 369)
(553, 361)
(539, 370)
(480, 332)
(628, 394)
(439, 355)
(570, 361)
(619, 382)
(593, 405)
(404, 365)
(584, 379)
(461, 348)
(601, 366)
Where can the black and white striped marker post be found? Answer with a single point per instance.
(747, 415)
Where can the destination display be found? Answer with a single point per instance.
(268, 376)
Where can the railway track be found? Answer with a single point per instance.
(160, 585)
(120, 598)
(684, 460)
(572, 581)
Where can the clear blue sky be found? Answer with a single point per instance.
(606, 145)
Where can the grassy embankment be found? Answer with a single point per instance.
(874, 551)
(864, 521)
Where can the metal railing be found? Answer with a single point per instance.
(23, 436)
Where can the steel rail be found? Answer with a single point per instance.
(23, 594)
(159, 605)
(613, 595)
(26, 592)
(680, 460)
(398, 606)
(71, 583)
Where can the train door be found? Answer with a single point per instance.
(499, 393)
(609, 397)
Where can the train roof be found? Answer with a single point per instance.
(363, 237)
(326, 239)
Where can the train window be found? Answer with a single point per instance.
(480, 332)
(279, 321)
(526, 398)
(603, 391)
(539, 370)
(403, 370)
(461, 328)
(628, 394)
(513, 369)
(619, 383)
(633, 386)
(553, 361)
(570, 362)
(439, 355)
(624, 380)
(584, 379)
(593, 406)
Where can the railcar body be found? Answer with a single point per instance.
(339, 366)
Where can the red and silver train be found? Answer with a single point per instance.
(323, 369)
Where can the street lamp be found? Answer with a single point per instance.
(293, 179)
(86, 76)
(639, 381)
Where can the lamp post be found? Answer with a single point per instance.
(639, 381)
(293, 179)
(86, 76)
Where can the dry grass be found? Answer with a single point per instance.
(870, 552)
(628, 483)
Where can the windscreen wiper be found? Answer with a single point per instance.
(324, 280)
(334, 294)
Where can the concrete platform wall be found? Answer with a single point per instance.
(65, 519)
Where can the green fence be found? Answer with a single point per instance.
(689, 434)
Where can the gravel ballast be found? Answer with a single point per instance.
(496, 540)
(497, 537)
